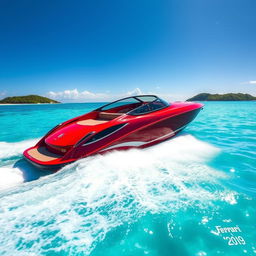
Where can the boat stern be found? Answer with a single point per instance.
(42, 158)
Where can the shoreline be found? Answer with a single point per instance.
(14, 104)
(19, 104)
(26, 104)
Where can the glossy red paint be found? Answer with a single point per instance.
(72, 141)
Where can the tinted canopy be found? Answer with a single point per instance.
(136, 105)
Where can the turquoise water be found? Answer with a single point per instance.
(192, 195)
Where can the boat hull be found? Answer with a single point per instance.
(57, 148)
(155, 133)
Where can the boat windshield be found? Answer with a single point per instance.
(135, 105)
(120, 103)
(152, 106)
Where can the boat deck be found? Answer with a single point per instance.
(42, 154)
(102, 118)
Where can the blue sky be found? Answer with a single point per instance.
(99, 50)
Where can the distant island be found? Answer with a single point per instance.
(29, 99)
(222, 97)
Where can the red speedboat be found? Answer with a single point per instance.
(133, 122)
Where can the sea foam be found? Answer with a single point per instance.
(9, 153)
(81, 203)
(8, 150)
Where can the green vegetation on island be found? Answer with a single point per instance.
(29, 99)
(222, 97)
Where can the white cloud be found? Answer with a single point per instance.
(85, 96)
(250, 82)
(136, 91)
(75, 95)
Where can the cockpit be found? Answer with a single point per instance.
(135, 105)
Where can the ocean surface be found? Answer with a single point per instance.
(191, 195)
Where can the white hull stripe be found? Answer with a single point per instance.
(128, 144)
(141, 143)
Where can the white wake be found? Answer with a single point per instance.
(85, 200)
(9, 153)
(8, 150)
